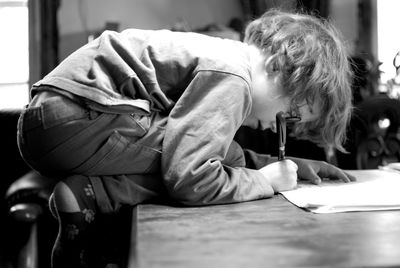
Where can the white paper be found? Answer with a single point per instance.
(373, 190)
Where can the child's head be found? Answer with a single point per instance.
(313, 65)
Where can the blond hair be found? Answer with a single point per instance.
(314, 66)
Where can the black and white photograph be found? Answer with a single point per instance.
(199, 133)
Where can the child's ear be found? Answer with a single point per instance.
(271, 65)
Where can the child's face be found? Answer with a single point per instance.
(269, 99)
(267, 105)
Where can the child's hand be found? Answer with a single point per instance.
(314, 171)
(282, 175)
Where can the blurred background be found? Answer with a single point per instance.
(36, 35)
(39, 34)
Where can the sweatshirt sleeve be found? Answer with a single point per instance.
(199, 133)
(239, 157)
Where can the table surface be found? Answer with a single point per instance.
(265, 233)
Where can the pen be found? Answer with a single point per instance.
(281, 120)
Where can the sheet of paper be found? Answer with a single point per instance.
(373, 190)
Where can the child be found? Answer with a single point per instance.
(141, 115)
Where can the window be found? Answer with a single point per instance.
(388, 36)
(14, 53)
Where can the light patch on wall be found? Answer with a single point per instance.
(388, 36)
(14, 53)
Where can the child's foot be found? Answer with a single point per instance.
(74, 207)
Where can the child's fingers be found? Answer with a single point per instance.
(313, 177)
(339, 174)
(351, 177)
(290, 164)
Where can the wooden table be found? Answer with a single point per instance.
(264, 233)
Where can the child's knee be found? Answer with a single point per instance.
(64, 199)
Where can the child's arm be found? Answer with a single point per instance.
(200, 130)
(280, 175)
(310, 170)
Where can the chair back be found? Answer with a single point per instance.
(376, 132)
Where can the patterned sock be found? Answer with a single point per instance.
(75, 227)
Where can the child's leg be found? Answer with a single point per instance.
(74, 205)
(60, 136)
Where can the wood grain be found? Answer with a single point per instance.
(264, 233)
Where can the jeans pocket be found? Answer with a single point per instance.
(59, 110)
(119, 156)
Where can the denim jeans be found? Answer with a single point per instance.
(120, 153)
